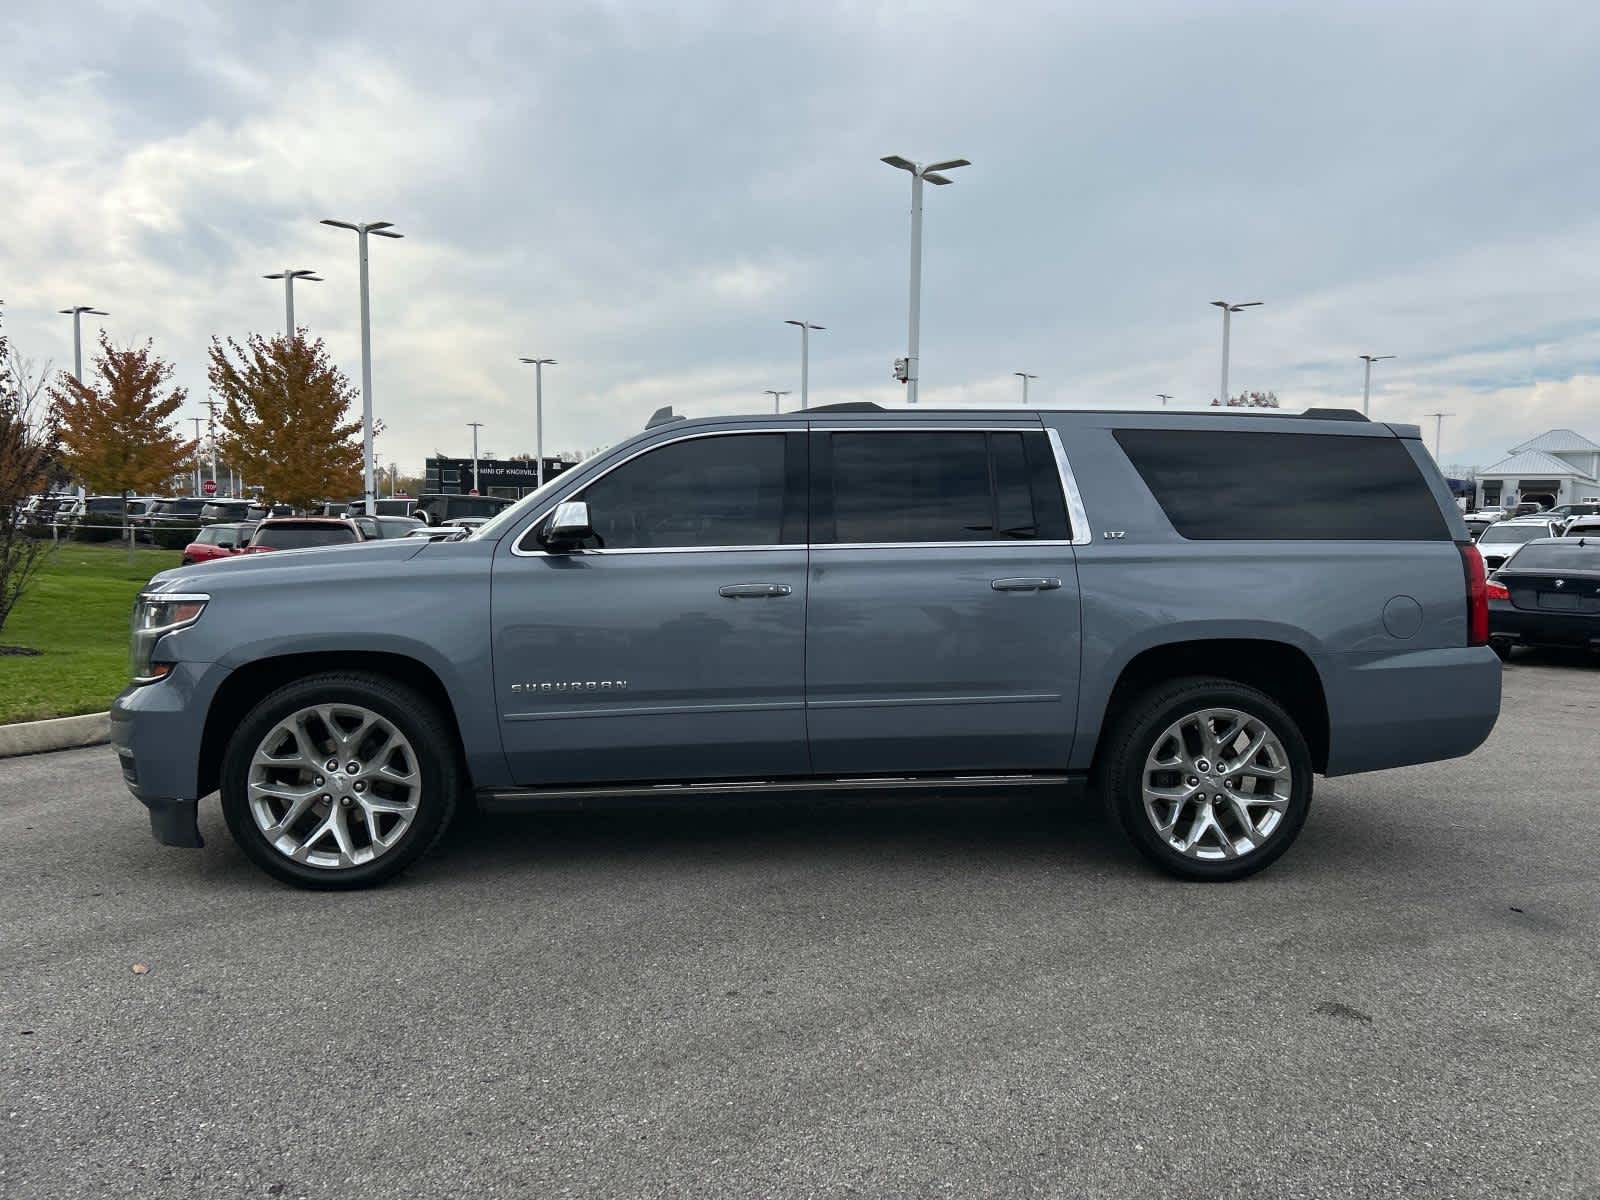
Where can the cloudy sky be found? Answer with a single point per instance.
(646, 190)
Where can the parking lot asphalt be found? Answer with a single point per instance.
(917, 998)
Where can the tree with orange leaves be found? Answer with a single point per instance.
(116, 431)
(285, 417)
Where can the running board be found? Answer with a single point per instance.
(535, 799)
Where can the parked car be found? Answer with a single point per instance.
(231, 510)
(1476, 523)
(1503, 536)
(171, 521)
(219, 540)
(99, 518)
(1547, 595)
(1494, 512)
(441, 508)
(437, 533)
(1582, 527)
(386, 527)
(841, 600)
(301, 533)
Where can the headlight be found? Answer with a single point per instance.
(154, 616)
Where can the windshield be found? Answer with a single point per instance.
(299, 537)
(513, 514)
(1579, 555)
(1513, 534)
(179, 508)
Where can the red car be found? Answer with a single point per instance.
(222, 540)
(301, 533)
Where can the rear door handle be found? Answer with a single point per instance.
(1024, 583)
(739, 591)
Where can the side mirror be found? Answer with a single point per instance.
(569, 525)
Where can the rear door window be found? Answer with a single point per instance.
(1215, 485)
(920, 486)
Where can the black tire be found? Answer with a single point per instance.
(438, 763)
(1131, 738)
(1503, 648)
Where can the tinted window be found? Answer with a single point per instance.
(107, 505)
(298, 537)
(178, 508)
(916, 486)
(1216, 485)
(709, 491)
(1562, 556)
(1513, 534)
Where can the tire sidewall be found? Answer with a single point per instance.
(409, 712)
(1127, 782)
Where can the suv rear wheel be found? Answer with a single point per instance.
(1211, 779)
(339, 780)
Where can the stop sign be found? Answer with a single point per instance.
(209, 487)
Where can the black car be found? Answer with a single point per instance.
(171, 522)
(230, 511)
(1548, 594)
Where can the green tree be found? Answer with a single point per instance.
(285, 417)
(26, 439)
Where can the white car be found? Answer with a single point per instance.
(1498, 542)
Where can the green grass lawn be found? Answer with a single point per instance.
(76, 612)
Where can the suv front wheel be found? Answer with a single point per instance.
(340, 780)
(1211, 779)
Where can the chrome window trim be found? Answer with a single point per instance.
(1081, 534)
(1075, 514)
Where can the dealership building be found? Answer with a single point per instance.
(509, 477)
(1558, 467)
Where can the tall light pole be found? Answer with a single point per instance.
(777, 398)
(197, 421)
(1228, 309)
(1163, 397)
(476, 425)
(382, 229)
(538, 365)
(289, 276)
(1438, 433)
(1024, 376)
(76, 313)
(805, 359)
(918, 172)
(1366, 384)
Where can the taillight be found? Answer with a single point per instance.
(1477, 595)
(1496, 591)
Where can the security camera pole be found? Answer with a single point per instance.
(1366, 385)
(1228, 309)
(918, 173)
(382, 229)
(1024, 376)
(777, 399)
(805, 359)
(289, 276)
(76, 313)
(538, 365)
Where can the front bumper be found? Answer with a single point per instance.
(1536, 627)
(156, 733)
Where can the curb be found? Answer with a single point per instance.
(63, 733)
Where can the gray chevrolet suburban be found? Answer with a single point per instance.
(1191, 614)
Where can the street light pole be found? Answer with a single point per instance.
(476, 425)
(918, 172)
(76, 313)
(777, 399)
(1024, 376)
(1228, 309)
(196, 421)
(1366, 383)
(289, 276)
(382, 229)
(539, 364)
(1163, 397)
(805, 359)
(1438, 433)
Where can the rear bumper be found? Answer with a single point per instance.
(156, 734)
(1399, 709)
(1532, 627)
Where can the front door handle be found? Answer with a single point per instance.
(1024, 583)
(739, 591)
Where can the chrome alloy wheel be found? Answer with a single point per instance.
(334, 786)
(1216, 784)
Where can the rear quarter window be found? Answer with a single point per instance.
(1215, 485)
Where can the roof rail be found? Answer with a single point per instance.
(663, 416)
(847, 406)
(1335, 414)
